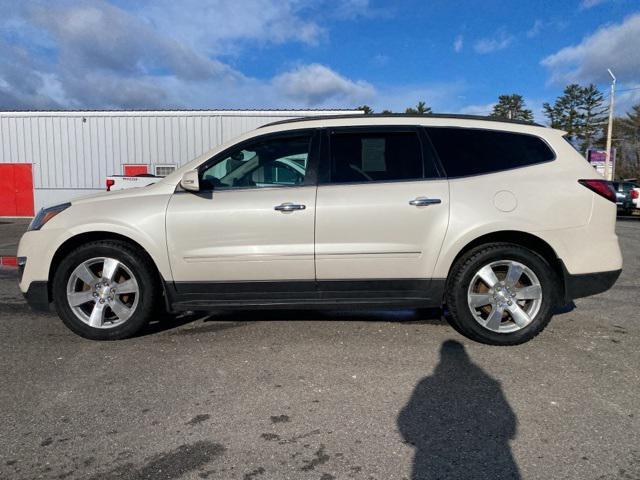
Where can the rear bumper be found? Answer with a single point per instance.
(586, 284)
(37, 296)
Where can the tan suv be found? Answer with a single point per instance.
(500, 222)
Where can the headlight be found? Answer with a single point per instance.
(46, 214)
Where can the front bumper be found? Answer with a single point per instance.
(586, 284)
(37, 296)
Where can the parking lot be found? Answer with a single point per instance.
(290, 395)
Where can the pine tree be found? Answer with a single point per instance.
(626, 134)
(593, 117)
(366, 108)
(420, 109)
(579, 111)
(512, 107)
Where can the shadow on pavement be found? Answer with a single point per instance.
(419, 316)
(459, 422)
(226, 319)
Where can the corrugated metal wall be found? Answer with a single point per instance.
(80, 150)
(75, 151)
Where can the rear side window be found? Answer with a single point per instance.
(467, 151)
(375, 156)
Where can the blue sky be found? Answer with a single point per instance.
(458, 56)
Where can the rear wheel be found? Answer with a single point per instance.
(501, 294)
(105, 290)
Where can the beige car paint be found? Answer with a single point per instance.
(361, 230)
(236, 234)
(371, 231)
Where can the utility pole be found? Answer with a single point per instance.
(608, 166)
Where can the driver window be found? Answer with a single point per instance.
(267, 163)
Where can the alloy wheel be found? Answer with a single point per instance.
(103, 292)
(504, 296)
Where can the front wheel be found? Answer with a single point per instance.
(501, 294)
(105, 290)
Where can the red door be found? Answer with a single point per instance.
(16, 190)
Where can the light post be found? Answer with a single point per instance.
(608, 166)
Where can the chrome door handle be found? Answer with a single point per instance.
(289, 207)
(424, 201)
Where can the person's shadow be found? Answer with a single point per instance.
(459, 422)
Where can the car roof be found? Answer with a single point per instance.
(399, 116)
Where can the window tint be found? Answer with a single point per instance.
(467, 151)
(375, 156)
(267, 163)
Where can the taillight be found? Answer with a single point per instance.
(635, 194)
(110, 183)
(601, 187)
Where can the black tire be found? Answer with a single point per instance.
(461, 275)
(136, 261)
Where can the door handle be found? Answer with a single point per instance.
(424, 201)
(289, 207)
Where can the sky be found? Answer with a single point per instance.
(456, 55)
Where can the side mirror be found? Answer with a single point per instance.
(190, 181)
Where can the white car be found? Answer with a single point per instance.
(500, 222)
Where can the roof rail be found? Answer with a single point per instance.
(404, 115)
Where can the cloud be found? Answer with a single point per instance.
(98, 36)
(317, 84)
(483, 109)
(458, 43)
(499, 42)
(225, 26)
(380, 60)
(613, 46)
(352, 9)
(441, 97)
(627, 97)
(586, 4)
(535, 29)
(162, 54)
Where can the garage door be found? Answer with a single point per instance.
(16, 190)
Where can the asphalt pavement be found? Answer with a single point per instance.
(11, 229)
(325, 395)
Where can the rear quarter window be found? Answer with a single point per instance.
(469, 151)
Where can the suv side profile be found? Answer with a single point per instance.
(500, 222)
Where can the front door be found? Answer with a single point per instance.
(381, 213)
(251, 223)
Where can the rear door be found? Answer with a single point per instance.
(381, 212)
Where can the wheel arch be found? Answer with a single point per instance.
(524, 239)
(81, 238)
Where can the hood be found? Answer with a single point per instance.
(158, 188)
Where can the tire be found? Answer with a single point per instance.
(123, 308)
(534, 293)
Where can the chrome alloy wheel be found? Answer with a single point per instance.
(504, 296)
(103, 292)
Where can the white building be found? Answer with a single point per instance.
(49, 157)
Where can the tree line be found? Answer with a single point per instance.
(582, 112)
